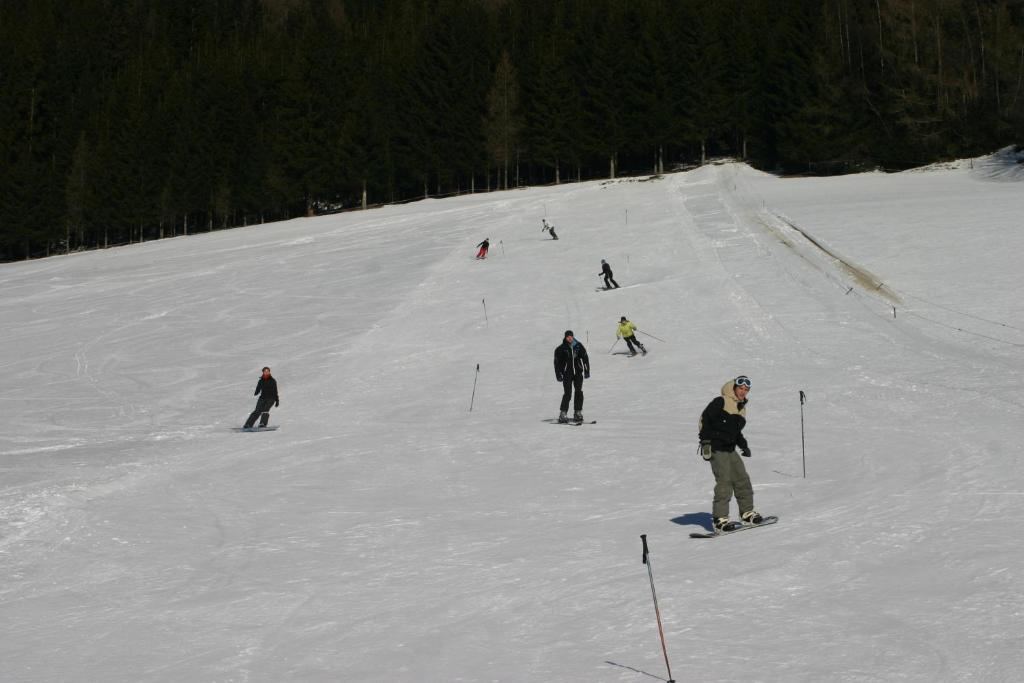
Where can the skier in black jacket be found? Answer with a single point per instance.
(572, 366)
(606, 271)
(266, 389)
(484, 246)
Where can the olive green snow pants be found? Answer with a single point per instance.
(730, 477)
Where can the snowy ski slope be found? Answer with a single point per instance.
(386, 533)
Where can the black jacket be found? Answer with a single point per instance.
(723, 429)
(606, 269)
(571, 361)
(268, 388)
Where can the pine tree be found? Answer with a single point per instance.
(502, 124)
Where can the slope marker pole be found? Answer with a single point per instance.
(657, 612)
(473, 397)
(803, 447)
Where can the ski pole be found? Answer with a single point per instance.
(473, 397)
(613, 345)
(501, 243)
(652, 336)
(803, 449)
(657, 612)
(484, 302)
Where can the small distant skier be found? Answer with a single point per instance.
(721, 431)
(572, 366)
(626, 331)
(484, 246)
(606, 270)
(266, 389)
(550, 229)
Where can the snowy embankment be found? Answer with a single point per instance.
(387, 533)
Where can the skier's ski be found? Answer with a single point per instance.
(606, 289)
(570, 422)
(715, 534)
(254, 429)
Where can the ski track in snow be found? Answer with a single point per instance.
(387, 533)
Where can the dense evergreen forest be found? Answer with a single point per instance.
(128, 120)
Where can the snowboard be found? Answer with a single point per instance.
(570, 423)
(254, 429)
(771, 519)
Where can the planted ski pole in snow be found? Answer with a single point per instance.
(473, 397)
(657, 612)
(613, 345)
(501, 243)
(803, 449)
(484, 302)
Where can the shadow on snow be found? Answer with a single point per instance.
(699, 518)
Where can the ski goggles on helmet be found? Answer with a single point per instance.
(742, 381)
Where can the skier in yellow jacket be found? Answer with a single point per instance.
(627, 331)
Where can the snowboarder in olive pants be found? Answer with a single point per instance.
(572, 366)
(721, 431)
(266, 389)
(606, 271)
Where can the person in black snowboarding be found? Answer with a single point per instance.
(484, 246)
(626, 331)
(721, 431)
(548, 228)
(572, 366)
(606, 270)
(266, 389)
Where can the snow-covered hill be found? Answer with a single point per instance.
(386, 532)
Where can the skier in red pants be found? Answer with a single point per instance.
(484, 246)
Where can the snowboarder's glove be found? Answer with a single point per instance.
(745, 452)
(559, 378)
(277, 403)
(586, 375)
(705, 449)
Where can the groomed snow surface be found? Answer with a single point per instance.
(387, 533)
